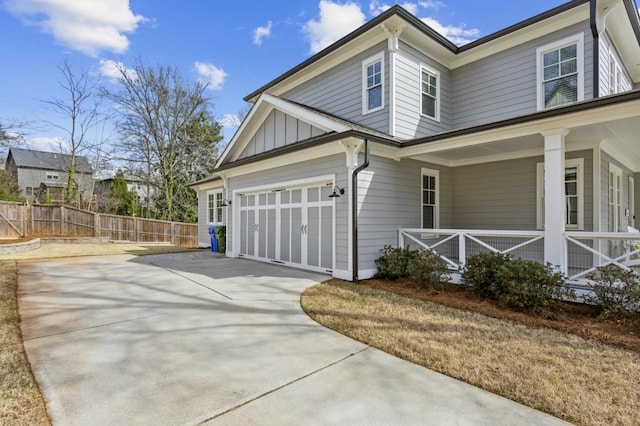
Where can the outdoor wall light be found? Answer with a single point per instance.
(337, 191)
(226, 202)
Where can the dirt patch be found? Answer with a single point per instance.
(579, 319)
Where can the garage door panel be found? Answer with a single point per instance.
(262, 231)
(251, 231)
(271, 233)
(285, 232)
(326, 242)
(296, 235)
(313, 235)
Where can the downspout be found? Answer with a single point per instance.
(593, 9)
(354, 210)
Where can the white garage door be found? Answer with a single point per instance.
(292, 226)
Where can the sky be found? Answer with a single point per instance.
(236, 46)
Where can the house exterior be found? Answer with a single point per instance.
(526, 141)
(39, 172)
(144, 192)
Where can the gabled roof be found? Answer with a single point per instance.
(27, 158)
(261, 109)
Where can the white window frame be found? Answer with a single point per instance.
(436, 74)
(365, 89)
(631, 201)
(436, 219)
(218, 212)
(578, 163)
(615, 201)
(578, 40)
(51, 176)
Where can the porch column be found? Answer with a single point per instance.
(554, 197)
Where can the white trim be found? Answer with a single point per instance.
(363, 274)
(631, 201)
(219, 220)
(578, 40)
(260, 110)
(597, 192)
(435, 173)
(379, 57)
(436, 74)
(619, 193)
(578, 163)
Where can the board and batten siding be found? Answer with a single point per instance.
(502, 195)
(339, 90)
(334, 164)
(389, 198)
(503, 85)
(279, 129)
(410, 123)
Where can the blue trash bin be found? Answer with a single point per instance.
(214, 242)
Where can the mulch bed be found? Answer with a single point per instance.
(577, 318)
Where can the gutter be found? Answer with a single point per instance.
(354, 210)
(593, 9)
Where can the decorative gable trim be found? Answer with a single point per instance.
(259, 113)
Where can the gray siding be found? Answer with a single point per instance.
(303, 170)
(33, 177)
(204, 239)
(606, 159)
(389, 199)
(410, 123)
(504, 85)
(339, 91)
(278, 129)
(502, 195)
(607, 48)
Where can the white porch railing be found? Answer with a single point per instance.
(585, 251)
(455, 245)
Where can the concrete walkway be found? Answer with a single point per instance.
(192, 339)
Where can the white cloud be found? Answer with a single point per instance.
(458, 35)
(87, 26)
(335, 21)
(113, 70)
(376, 8)
(260, 33)
(45, 143)
(211, 75)
(431, 4)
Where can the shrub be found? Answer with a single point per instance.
(427, 268)
(532, 287)
(394, 262)
(480, 274)
(615, 290)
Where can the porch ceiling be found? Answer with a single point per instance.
(620, 138)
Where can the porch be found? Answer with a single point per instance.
(581, 252)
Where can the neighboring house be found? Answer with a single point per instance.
(134, 183)
(525, 141)
(39, 173)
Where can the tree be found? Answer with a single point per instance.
(80, 107)
(167, 133)
(9, 189)
(121, 200)
(8, 133)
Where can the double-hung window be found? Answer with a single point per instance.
(430, 199)
(214, 207)
(430, 93)
(617, 79)
(573, 192)
(561, 72)
(373, 84)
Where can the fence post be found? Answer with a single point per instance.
(96, 225)
(25, 219)
(136, 229)
(462, 250)
(63, 225)
(173, 233)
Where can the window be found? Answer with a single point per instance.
(430, 199)
(51, 176)
(617, 82)
(560, 72)
(615, 198)
(574, 194)
(214, 207)
(430, 93)
(373, 78)
(30, 192)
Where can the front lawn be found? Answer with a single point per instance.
(580, 380)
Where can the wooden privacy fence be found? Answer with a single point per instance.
(22, 220)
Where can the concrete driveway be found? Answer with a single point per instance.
(192, 339)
